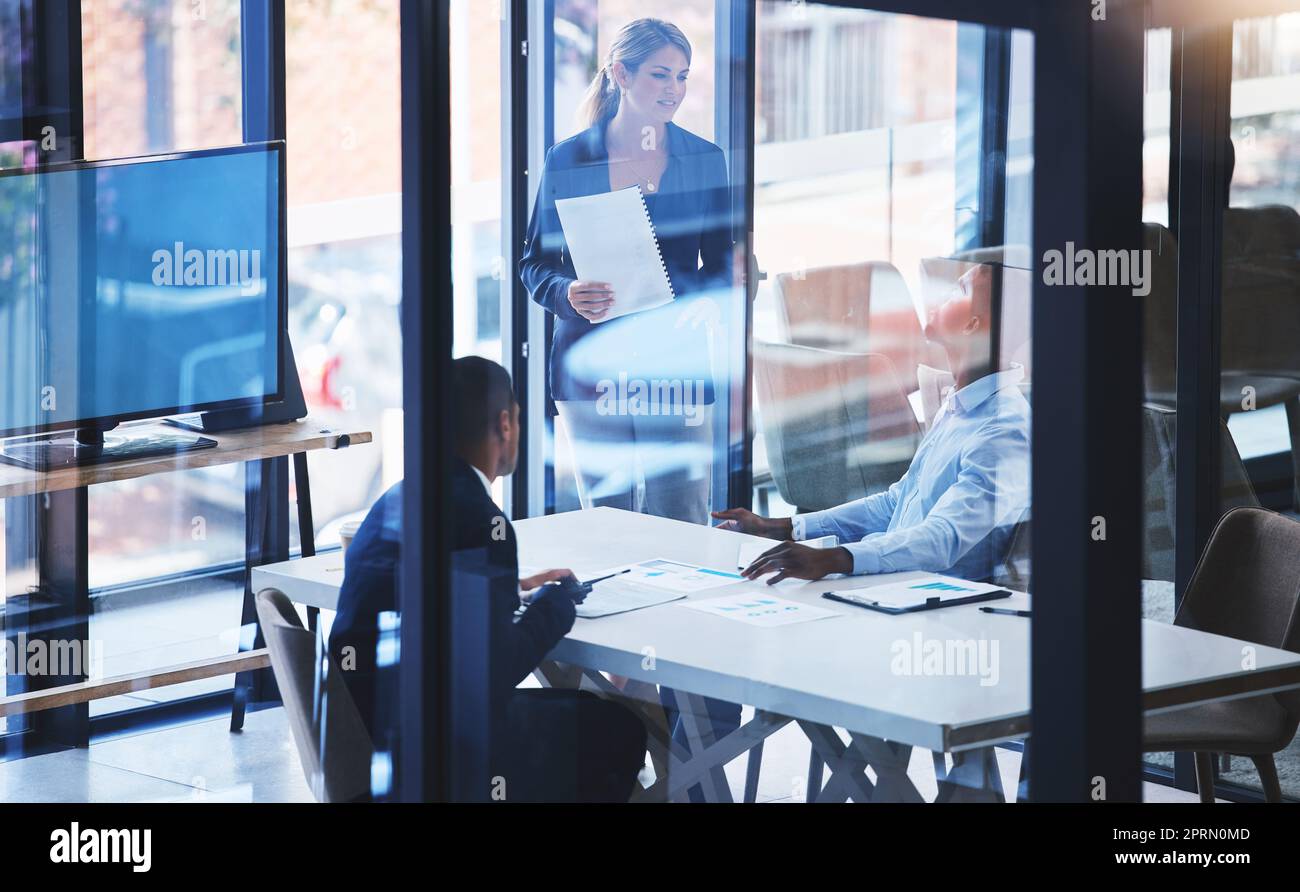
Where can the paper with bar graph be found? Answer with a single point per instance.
(760, 610)
(916, 592)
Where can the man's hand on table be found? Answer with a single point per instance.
(741, 521)
(793, 560)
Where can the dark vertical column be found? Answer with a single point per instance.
(425, 674)
(1198, 188)
(1201, 184)
(266, 482)
(1086, 639)
(55, 613)
(736, 31)
(514, 227)
(52, 527)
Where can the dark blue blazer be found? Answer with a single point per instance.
(692, 218)
(370, 588)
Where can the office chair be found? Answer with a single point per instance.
(837, 426)
(336, 760)
(1246, 586)
(855, 308)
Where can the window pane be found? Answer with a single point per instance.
(160, 76)
(480, 280)
(345, 230)
(866, 217)
(1160, 332)
(1260, 343)
(891, 197)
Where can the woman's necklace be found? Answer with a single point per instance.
(650, 184)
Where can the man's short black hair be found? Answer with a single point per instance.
(481, 391)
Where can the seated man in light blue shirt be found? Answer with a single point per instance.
(955, 509)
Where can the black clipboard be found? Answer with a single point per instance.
(930, 603)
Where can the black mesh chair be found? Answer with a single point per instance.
(1246, 586)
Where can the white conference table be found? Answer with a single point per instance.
(826, 674)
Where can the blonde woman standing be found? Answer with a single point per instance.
(652, 454)
(655, 459)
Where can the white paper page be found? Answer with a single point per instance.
(761, 610)
(619, 596)
(611, 239)
(919, 591)
(678, 577)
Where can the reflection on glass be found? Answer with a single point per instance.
(151, 308)
(1260, 359)
(630, 249)
(876, 208)
(343, 120)
(160, 76)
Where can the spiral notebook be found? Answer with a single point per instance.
(612, 239)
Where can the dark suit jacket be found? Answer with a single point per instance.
(370, 588)
(692, 218)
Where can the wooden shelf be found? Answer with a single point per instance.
(247, 444)
(98, 689)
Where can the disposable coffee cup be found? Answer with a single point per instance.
(347, 532)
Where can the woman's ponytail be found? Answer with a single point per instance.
(601, 100)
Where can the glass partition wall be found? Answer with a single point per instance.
(830, 199)
(834, 231)
(1219, 208)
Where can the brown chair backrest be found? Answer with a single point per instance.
(837, 426)
(857, 308)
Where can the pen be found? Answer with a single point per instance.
(1005, 612)
(610, 576)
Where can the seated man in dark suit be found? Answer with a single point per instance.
(549, 745)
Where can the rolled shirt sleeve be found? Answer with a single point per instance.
(852, 521)
(989, 493)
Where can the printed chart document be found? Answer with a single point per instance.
(656, 581)
(761, 610)
(612, 239)
(678, 577)
(618, 595)
(916, 592)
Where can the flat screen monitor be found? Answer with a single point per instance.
(141, 288)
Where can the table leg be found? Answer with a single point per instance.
(847, 763)
(974, 778)
(1022, 786)
(704, 763)
(306, 526)
(677, 768)
(700, 735)
(752, 767)
(816, 772)
(266, 530)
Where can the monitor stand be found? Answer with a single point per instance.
(91, 446)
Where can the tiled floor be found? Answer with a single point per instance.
(204, 762)
(200, 762)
